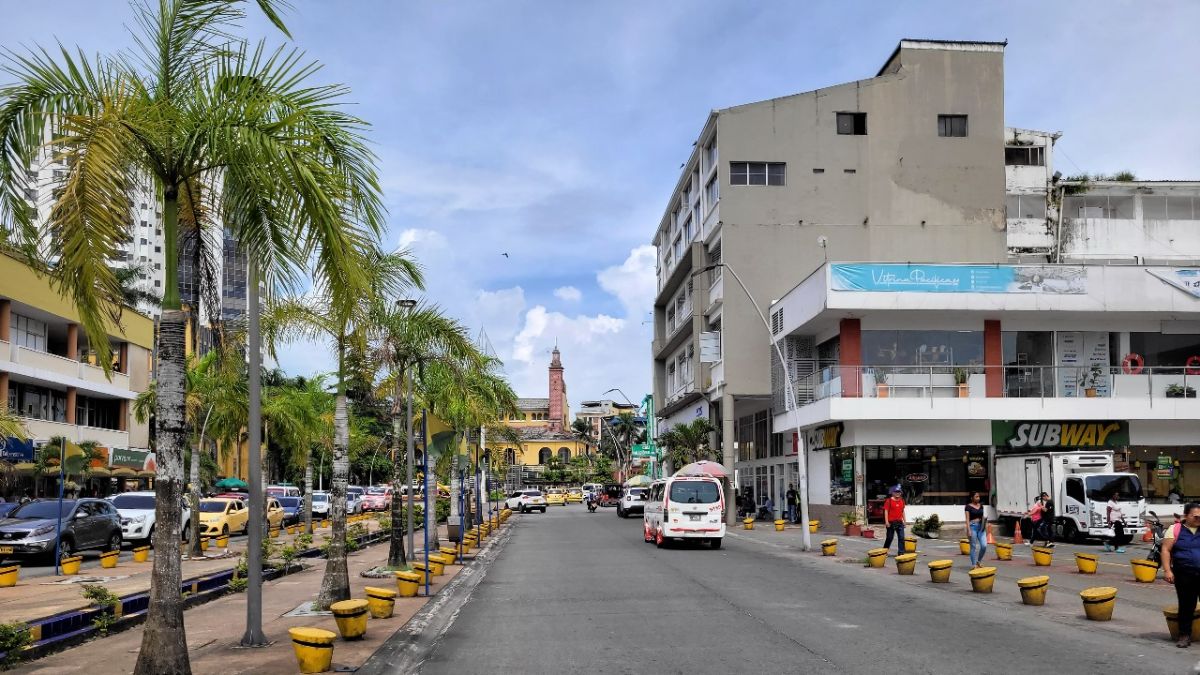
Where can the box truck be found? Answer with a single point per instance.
(1080, 483)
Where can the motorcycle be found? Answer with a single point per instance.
(591, 504)
(1157, 530)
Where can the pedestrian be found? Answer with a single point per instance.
(1181, 566)
(893, 517)
(1035, 519)
(792, 498)
(1175, 496)
(1116, 520)
(1046, 524)
(976, 529)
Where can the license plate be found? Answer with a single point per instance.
(6, 549)
(694, 517)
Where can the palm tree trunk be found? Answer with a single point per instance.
(454, 484)
(195, 551)
(336, 584)
(308, 490)
(396, 555)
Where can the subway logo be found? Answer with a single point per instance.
(1102, 434)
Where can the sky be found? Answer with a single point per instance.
(553, 131)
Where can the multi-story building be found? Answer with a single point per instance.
(905, 165)
(50, 378)
(543, 429)
(596, 413)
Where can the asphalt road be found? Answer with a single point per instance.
(577, 591)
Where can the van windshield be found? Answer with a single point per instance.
(695, 492)
(1126, 488)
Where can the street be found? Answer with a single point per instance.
(577, 590)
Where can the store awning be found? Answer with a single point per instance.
(99, 472)
(124, 472)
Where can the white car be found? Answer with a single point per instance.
(685, 507)
(138, 517)
(632, 501)
(320, 503)
(354, 499)
(526, 501)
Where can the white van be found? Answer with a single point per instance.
(685, 507)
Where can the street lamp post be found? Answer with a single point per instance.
(408, 305)
(789, 401)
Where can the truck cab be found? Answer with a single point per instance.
(1083, 506)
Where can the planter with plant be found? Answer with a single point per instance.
(881, 383)
(960, 379)
(106, 601)
(850, 521)
(1090, 380)
(1180, 391)
(927, 527)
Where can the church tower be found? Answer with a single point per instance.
(558, 393)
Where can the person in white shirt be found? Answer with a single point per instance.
(1116, 518)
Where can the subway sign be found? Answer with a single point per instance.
(1052, 435)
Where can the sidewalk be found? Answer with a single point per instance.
(214, 629)
(1139, 606)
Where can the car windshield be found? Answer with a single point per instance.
(320, 498)
(43, 509)
(532, 493)
(134, 502)
(695, 492)
(354, 491)
(212, 507)
(377, 491)
(1126, 488)
(289, 502)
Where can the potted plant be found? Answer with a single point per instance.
(927, 527)
(881, 384)
(1091, 377)
(960, 379)
(1180, 391)
(850, 522)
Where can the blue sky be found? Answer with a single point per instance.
(553, 131)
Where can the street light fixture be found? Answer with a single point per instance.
(789, 401)
(408, 305)
(619, 392)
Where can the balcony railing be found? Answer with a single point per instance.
(61, 365)
(1016, 382)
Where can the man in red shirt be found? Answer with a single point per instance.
(893, 516)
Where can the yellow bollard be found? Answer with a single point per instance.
(407, 583)
(9, 575)
(223, 541)
(813, 526)
(779, 525)
(141, 554)
(1098, 603)
(70, 566)
(1042, 556)
(444, 559)
(982, 579)
(204, 543)
(291, 529)
(108, 559)
(910, 544)
(829, 547)
(1033, 590)
(351, 618)
(939, 571)
(380, 601)
(747, 523)
(451, 551)
(435, 569)
(1144, 571)
(314, 648)
(876, 557)
(964, 546)
(1003, 551)
(274, 532)
(1086, 562)
(906, 564)
(1171, 614)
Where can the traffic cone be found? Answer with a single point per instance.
(990, 539)
(1018, 538)
(1148, 536)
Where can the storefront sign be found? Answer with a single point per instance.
(1185, 279)
(917, 478)
(134, 459)
(847, 470)
(824, 438)
(919, 278)
(1066, 435)
(16, 450)
(1164, 468)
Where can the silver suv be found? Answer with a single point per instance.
(632, 501)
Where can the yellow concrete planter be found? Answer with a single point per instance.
(380, 601)
(1171, 614)
(1003, 551)
(291, 529)
(141, 554)
(325, 524)
(1144, 571)
(964, 546)
(748, 523)
(204, 543)
(435, 569)
(1086, 562)
(9, 575)
(1042, 556)
(910, 544)
(351, 618)
(223, 541)
(939, 571)
(876, 557)
(1033, 590)
(829, 547)
(451, 551)
(70, 566)
(108, 559)
(1098, 603)
(982, 579)
(779, 525)
(906, 564)
(273, 533)
(314, 648)
(445, 559)
(407, 583)
(495, 522)
(813, 526)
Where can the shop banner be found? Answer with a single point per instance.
(825, 437)
(847, 470)
(921, 278)
(1164, 468)
(134, 459)
(1060, 435)
(1185, 279)
(16, 450)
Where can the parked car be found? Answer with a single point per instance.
(138, 516)
(526, 501)
(7, 507)
(354, 496)
(320, 503)
(575, 496)
(84, 524)
(633, 501)
(275, 514)
(378, 498)
(685, 507)
(223, 516)
(240, 496)
(556, 497)
(283, 490)
(293, 509)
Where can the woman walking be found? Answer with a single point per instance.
(1181, 566)
(976, 530)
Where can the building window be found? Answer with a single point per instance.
(1026, 206)
(713, 191)
(922, 348)
(510, 457)
(564, 455)
(852, 124)
(1024, 155)
(714, 259)
(544, 455)
(757, 173)
(710, 154)
(952, 125)
(28, 333)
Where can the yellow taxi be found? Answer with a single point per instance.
(556, 497)
(223, 516)
(575, 496)
(275, 513)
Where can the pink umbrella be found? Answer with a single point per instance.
(703, 468)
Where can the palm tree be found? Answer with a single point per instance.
(582, 429)
(10, 424)
(198, 112)
(687, 443)
(345, 324)
(300, 413)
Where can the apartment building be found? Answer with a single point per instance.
(595, 413)
(905, 165)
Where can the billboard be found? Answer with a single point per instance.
(932, 278)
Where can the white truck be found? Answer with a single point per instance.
(1080, 483)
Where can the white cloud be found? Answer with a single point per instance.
(632, 281)
(568, 294)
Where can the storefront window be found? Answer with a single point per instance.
(841, 476)
(1024, 352)
(1164, 350)
(927, 475)
(922, 348)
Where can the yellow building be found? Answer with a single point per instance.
(543, 425)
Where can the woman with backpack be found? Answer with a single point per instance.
(1181, 566)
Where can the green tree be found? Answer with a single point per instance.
(207, 119)
(687, 443)
(581, 428)
(10, 424)
(300, 411)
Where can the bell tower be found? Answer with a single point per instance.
(557, 392)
